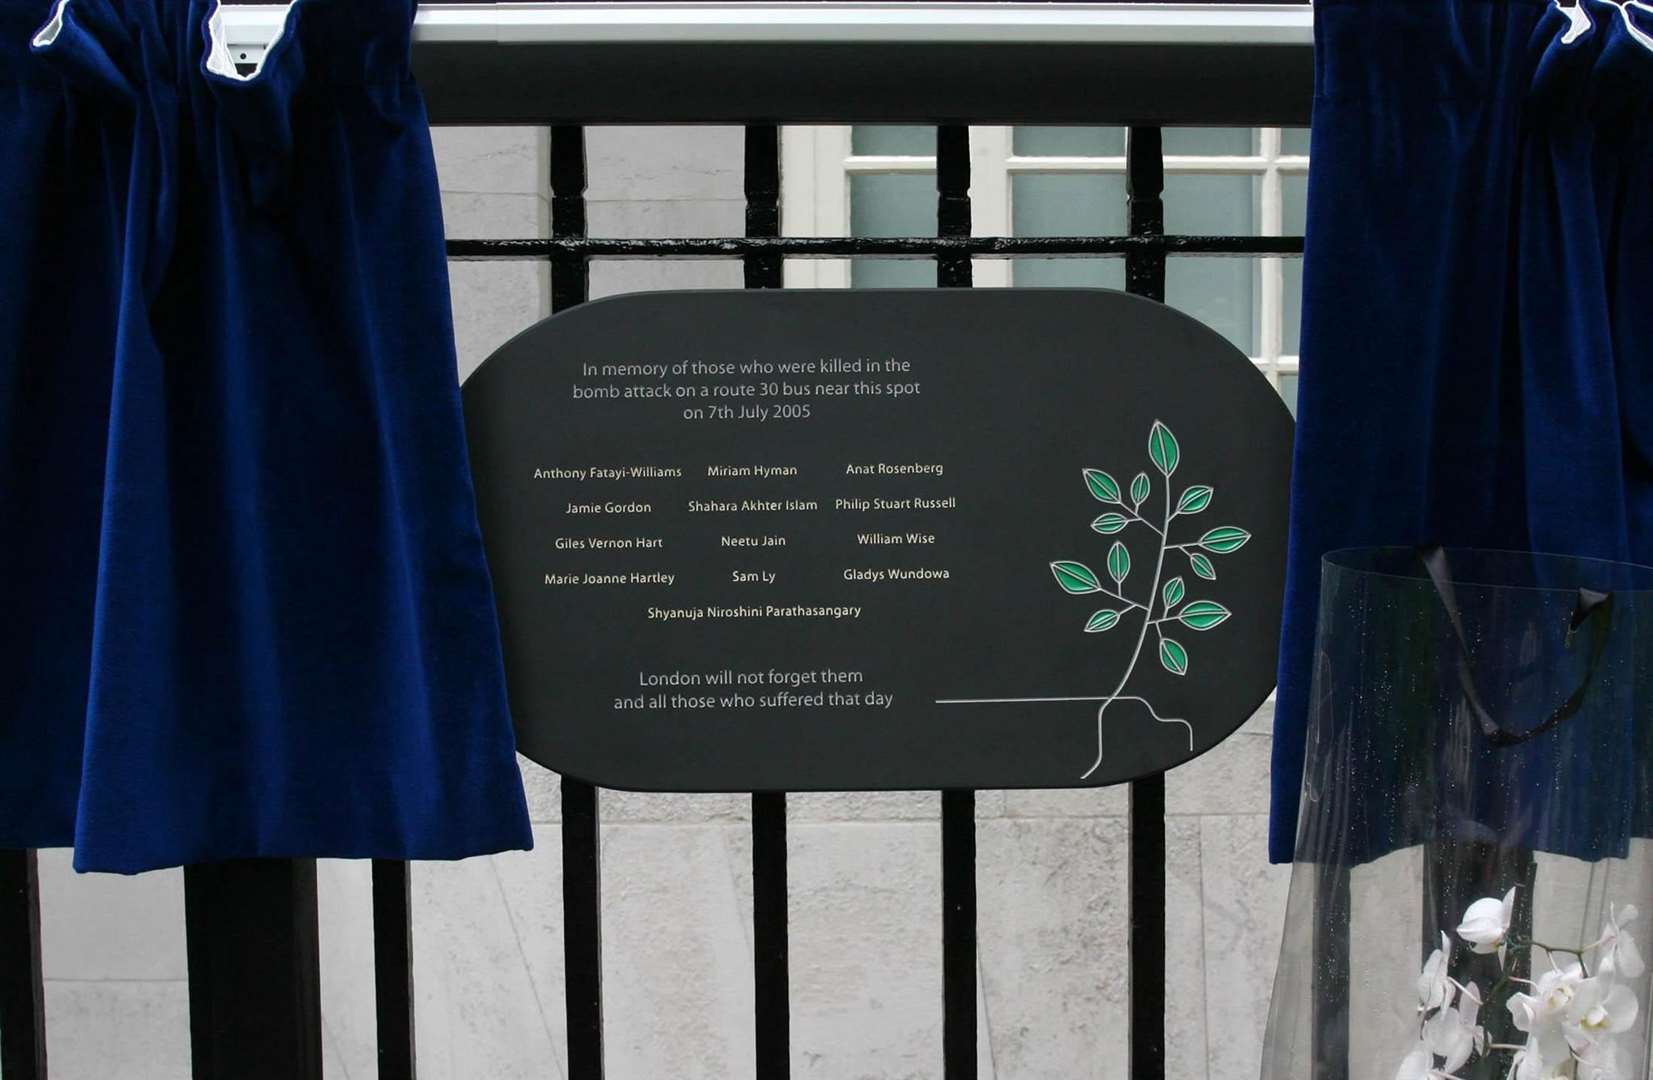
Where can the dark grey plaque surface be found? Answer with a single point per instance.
(879, 539)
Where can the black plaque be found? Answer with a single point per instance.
(823, 540)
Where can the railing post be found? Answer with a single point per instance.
(771, 977)
(393, 969)
(254, 970)
(22, 994)
(958, 808)
(1145, 276)
(582, 894)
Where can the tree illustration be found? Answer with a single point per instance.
(1168, 597)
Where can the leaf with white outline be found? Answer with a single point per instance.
(1224, 539)
(1103, 487)
(1075, 578)
(1162, 449)
(1203, 615)
(1202, 566)
(1108, 524)
(1102, 620)
(1195, 499)
(1173, 657)
(1119, 562)
(1141, 488)
(1172, 594)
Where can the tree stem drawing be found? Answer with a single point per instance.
(1078, 579)
(1141, 638)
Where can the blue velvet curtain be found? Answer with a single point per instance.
(1477, 333)
(244, 609)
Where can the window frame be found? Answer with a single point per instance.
(818, 162)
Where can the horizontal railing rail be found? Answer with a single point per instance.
(835, 247)
(807, 62)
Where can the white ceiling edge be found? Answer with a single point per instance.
(806, 22)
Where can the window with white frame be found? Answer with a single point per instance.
(1067, 181)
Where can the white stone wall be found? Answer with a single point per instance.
(865, 869)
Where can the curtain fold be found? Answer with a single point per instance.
(1477, 323)
(248, 612)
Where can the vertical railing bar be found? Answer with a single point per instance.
(582, 929)
(763, 202)
(570, 273)
(771, 978)
(958, 808)
(1329, 1007)
(958, 934)
(22, 994)
(393, 968)
(581, 843)
(1145, 276)
(953, 201)
(252, 940)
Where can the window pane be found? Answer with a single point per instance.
(1057, 204)
(1288, 391)
(1221, 141)
(1294, 197)
(1088, 204)
(1095, 273)
(914, 140)
(892, 205)
(1291, 307)
(892, 273)
(1294, 141)
(1069, 141)
(1205, 205)
(1294, 203)
(1219, 292)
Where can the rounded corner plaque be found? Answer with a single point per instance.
(879, 539)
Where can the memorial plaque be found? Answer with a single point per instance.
(838, 540)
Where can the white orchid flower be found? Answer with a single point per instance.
(1420, 1065)
(1540, 1014)
(1486, 924)
(1604, 1061)
(1618, 952)
(1469, 1014)
(1434, 985)
(1598, 1008)
(1529, 1063)
(1417, 1065)
(1446, 1036)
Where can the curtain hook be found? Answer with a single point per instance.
(1577, 16)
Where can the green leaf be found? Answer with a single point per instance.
(1102, 620)
(1203, 615)
(1202, 566)
(1102, 486)
(1224, 539)
(1140, 488)
(1075, 578)
(1108, 524)
(1195, 499)
(1163, 449)
(1172, 593)
(1173, 656)
(1119, 562)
